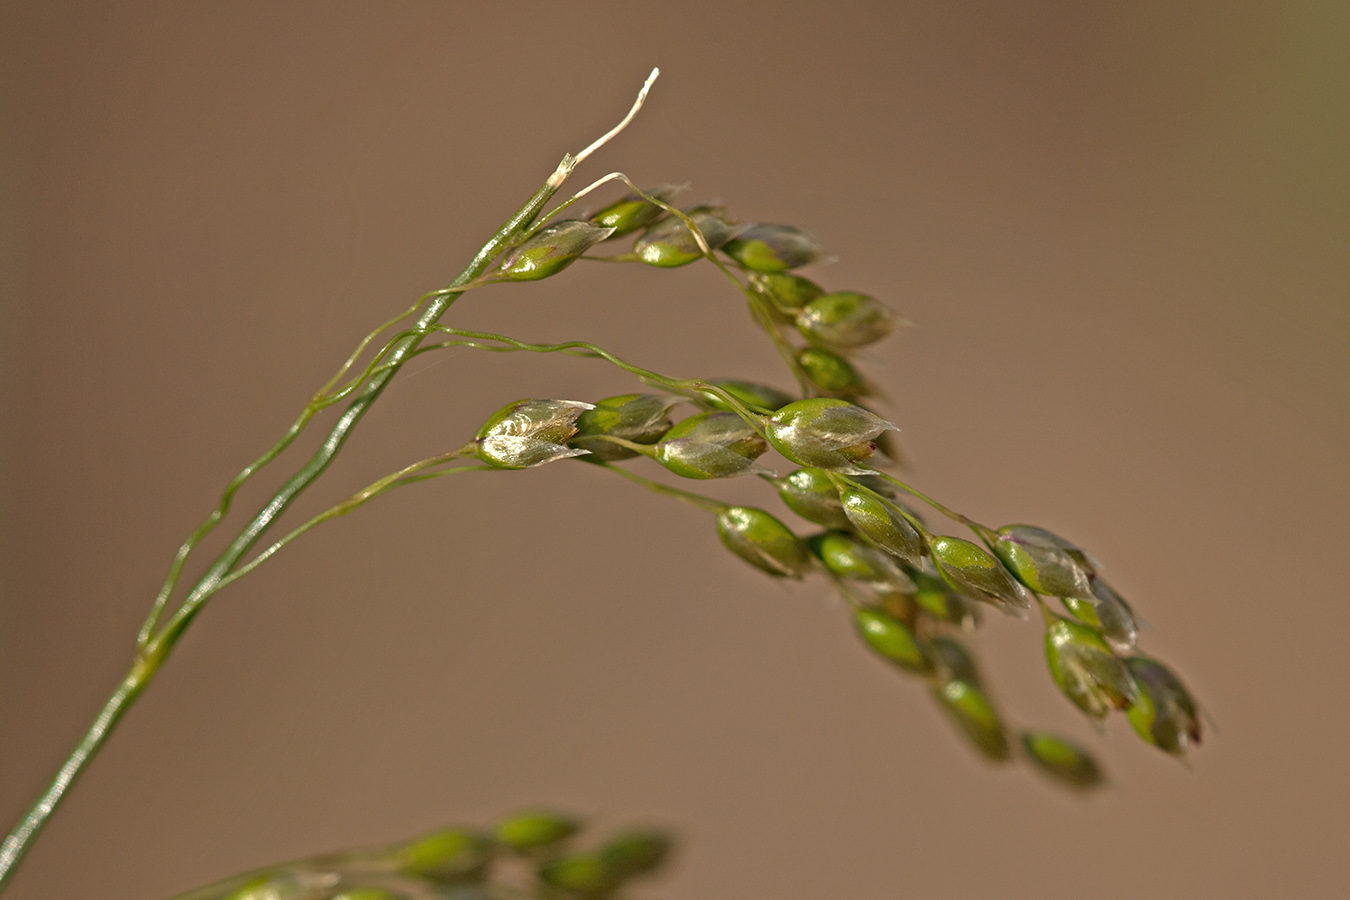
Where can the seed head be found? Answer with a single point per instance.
(891, 638)
(875, 521)
(827, 434)
(711, 445)
(973, 572)
(529, 433)
(669, 243)
(773, 248)
(763, 541)
(1164, 713)
(631, 212)
(640, 418)
(831, 372)
(1062, 760)
(533, 830)
(973, 711)
(812, 495)
(1089, 674)
(845, 319)
(551, 249)
(451, 854)
(750, 393)
(1041, 562)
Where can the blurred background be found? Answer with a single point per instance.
(1121, 230)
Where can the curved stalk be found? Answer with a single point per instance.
(154, 647)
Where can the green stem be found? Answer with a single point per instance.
(155, 649)
(986, 534)
(397, 479)
(353, 414)
(840, 481)
(19, 840)
(766, 321)
(762, 315)
(320, 401)
(707, 504)
(686, 386)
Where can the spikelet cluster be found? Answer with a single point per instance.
(533, 855)
(915, 596)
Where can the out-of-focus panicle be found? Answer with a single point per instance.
(528, 856)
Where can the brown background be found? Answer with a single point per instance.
(1121, 229)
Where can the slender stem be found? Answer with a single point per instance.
(321, 459)
(209, 523)
(766, 321)
(986, 534)
(154, 650)
(398, 479)
(689, 386)
(154, 647)
(321, 400)
(708, 504)
(365, 341)
(21, 838)
(762, 315)
(842, 481)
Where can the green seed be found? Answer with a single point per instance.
(1108, 612)
(849, 558)
(1164, 713)
(581, 873)
(711, 445)
(451, 854)
(635, 853)
(831, 372)
(669, 243)
(1041, 564)
(773, 248)
(1115, 617)
(1040, 535)
(812, 495)
(844, 320)
(631, 212)
(529, 433)
(892, 639)
(1062, 759)
(551, 249)
(1089, 674)
(786, 292)
(825, 433)
(875, 521)
(1083, 610)
(531, 830)
(640, 418)
(763, 541)
(973, 572)
(973, 711)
